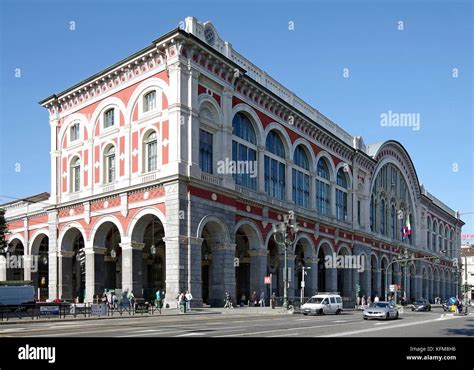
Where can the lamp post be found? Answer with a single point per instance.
(285, 235)
(303, 273)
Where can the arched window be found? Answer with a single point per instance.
(434, 239)
(323, 188)
(75, 185)
(393, 222)
(151, 152)
(440, 237)
(382, 217)
(74, 133)
(301, 177)
(372, 213)
(109, 161)
(275, 166)
(149, 101)
(341, 195)
(244, 151)
(109, 118)
(205, 151)
(428, 234)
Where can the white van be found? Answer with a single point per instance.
(12, 295)
(323, 303)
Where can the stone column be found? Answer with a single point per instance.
(95, 272)
(222, 273)
(132, 263)
(3, 268)
(27, 260)
(53, 247)
(333, 199)
(289, 181)
(195, 270)
(65, 275)
(258, 270)
(377, 284)
(261, 168)
(311, 279)
(312, 191)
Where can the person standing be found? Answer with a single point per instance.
(262, 299)
(158, 303)
(363, 302)
(357, 302)
(376, 299)
(131, 300)
(189, 297)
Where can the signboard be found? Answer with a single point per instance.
(266, 280)
(392, 288)
(98, 310)
(49, 310)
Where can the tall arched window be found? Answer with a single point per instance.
(393, 222)
(149, 101)
(372, 213)
(301, 177)
(151, 152)
(244, 150)
(434, 239)
(382, 217)
(341, 195)
(428, 234)
(109, 161)
(75, 185)
(440, 236)
(275, 166)
(323, 188)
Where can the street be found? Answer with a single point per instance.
(243, 323)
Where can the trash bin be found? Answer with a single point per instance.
(183, 306)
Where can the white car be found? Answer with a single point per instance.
(322, 304)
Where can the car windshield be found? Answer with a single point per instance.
(379, 304)
(315, 300)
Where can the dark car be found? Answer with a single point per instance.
(421, 305)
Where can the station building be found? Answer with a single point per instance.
(169, 168)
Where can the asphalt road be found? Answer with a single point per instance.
(249, 324)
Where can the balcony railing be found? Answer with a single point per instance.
(211, 179)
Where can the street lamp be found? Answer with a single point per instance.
(284, 234)
(303, 273)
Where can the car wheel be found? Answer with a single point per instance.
(320, 312)
(429, 308)
(305, 313)
(338, 311)
(396, 316)
(387, 316)
(412, 309)
(365, 318)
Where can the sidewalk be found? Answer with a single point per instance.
(165, 312)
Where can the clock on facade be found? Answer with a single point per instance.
(209, 35)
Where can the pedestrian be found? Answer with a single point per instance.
(369, 301)
(178, 299)
(273, 300)
(242, 300)
(456, 306)
(228, 300)
(253, 299)
(158, 302)
(114, 301)
(376, 299)
(363, 301)
(189, 297)
(357, 302)
(262, 299)
(131, 300)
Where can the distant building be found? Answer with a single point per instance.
(467, 257)
(169, 168)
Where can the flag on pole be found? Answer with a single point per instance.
(408, 226)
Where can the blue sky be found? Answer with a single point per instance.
(407, 71)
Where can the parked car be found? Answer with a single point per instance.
(381, 310)
(323, 303)
(421, 305)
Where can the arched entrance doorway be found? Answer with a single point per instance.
(108, 238)
(242, 267)
(327, 274)
(150, 231)
(72, 266)
(15, 261)
(40, 278)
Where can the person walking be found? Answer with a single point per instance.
(273, 300)
(188, 297)
(357, 302)
(262, 299)
(158, 303)
(131, 301)
(228, 300)
(376, 299)
(242, 300)
(369, 301)
(253, 299)
(363, 301)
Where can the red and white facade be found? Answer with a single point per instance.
(130, 207)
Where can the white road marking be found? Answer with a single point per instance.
(340, 321)
(190, 334)
(382, 328)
